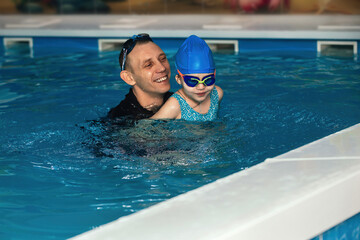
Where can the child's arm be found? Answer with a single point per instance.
(220, 92)
(170, 110)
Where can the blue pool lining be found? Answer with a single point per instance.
(50, 45)
(253, 32)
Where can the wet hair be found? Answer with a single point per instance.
(122, 52)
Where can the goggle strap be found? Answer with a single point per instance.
(124, 59)
(127, 50)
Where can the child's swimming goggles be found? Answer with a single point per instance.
(193, 81)
(129, 45)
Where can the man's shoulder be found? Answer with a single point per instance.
(118, 111)
(130, 107)
(127, 107)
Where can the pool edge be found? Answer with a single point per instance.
(266, 199)
(259, 26)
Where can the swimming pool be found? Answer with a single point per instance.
(62, 174)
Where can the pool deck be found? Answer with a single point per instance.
(336, 27)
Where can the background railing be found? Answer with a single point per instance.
(179, 6)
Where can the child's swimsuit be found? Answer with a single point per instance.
(187, 113)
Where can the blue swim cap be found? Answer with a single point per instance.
(194, 56)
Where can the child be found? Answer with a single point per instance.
(199, 98)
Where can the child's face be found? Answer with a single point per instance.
(198, 93)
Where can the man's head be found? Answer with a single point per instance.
(129, 45)
(144, 66)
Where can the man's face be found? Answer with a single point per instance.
(150, 69)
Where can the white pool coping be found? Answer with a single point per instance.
(257, 26)
(297, 195)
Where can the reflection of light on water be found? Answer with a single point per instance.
(6, 168)
(7, 96)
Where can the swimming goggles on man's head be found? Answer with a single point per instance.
(193, 81)
(129, 45)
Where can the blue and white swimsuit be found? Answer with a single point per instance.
(189, 114)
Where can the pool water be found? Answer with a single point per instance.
(63, 171)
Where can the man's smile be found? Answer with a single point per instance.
(159, 80)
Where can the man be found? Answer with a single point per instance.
(144, 66)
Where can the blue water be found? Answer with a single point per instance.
(347, 230)
(62, 174)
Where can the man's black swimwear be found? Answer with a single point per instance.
(131, 108)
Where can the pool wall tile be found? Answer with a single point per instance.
(50, 45)
(257, 32)
(76, 44)
(169, 44)
(2, 47)
(254, 45)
